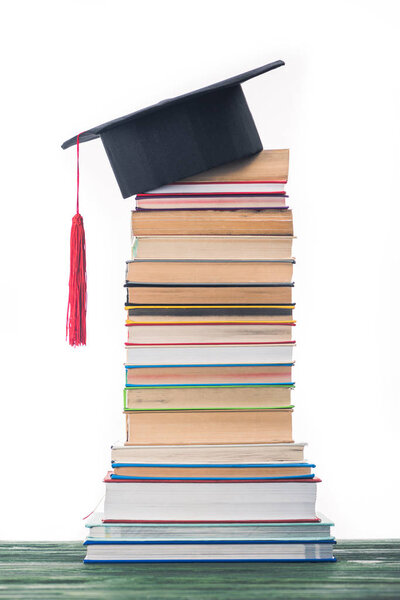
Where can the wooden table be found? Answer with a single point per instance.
(50, 570)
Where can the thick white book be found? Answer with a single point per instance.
(204, 501)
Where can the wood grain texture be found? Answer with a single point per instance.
(366, 569)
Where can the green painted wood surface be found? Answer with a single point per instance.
(48, 570)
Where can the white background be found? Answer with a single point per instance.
(70, 65)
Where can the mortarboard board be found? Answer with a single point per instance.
(180, 137)
(163, 143)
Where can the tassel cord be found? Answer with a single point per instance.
(77, 298)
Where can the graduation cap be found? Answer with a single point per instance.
(158, 145)
(181, 136)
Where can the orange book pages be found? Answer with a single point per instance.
(210, 295)
(267, 165)
(239, 247)
(159, 398)
(208, 427)
(209, 374)
(211, 471)
(209, 272)
(202, 333)
(213, 222)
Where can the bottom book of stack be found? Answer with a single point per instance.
(184, 511)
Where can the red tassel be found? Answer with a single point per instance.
(77, 299)
(76, 313)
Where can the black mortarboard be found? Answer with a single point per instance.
(180, 137)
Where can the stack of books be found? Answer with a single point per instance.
(209, 470)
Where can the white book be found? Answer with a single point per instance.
(209, 354)
(182, 501)
(211, 551)
(97, 530)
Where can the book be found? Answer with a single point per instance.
(209, 470)
(208, 426)
(210, 551)
(210, 272)
(203, 332)
(217, 354)
(221, 201)
(255, 182)
(207, 396)
(271, 500)
(281, 470)
(207, 294)
(213, 222)
(267, 165)
(215, 247)
(318, 530)
(207, 374)
(231, 312)
(216, 453)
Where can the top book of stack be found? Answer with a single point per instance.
(255, 182)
